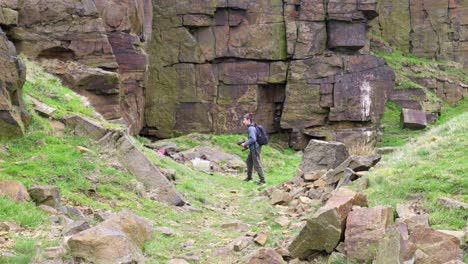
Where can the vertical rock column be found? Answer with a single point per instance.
(12, 77)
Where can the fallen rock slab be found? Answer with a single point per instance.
(119, 239)
(364, 228)
(15, 190)
(413, 119)
(133, 159)
(324, 229)
(322, 155)
(47, 195)
(451, 203)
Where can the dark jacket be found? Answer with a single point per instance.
(252, 137)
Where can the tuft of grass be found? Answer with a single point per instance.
(361, 150)
(25, 214)
(433, 166)
(25, 250)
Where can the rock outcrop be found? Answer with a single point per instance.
(427, 28)
(13, 116)
(214, 61)
(99, 51)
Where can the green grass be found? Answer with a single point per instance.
(25, 249)
(432, 166)
(25, 214)
(49, 90)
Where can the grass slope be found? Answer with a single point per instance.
(432, 166)
(43, 157)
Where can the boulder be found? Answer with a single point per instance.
(437, 246)
(280, 197)
(15, 190)
(325, 228)
(47, 195)
(266, 255)
(364, 228)
(322, 155)
(414, 119)
(119, 239)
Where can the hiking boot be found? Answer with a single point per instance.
(260, 183)
(247, 179)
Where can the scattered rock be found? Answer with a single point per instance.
(42, 108)
(266, 255)
(411, 218)
(283, 221)
(171, 148)
(238, 226)
(83, 126)
(48, 195)
(414, 119)
(324, 229)
(242, 243)
(15, 190)
(348, 176)
(102, 216)
(119, 239)
(55, 252)
(322, 155)
(437, 246)
(453, 204)
(75, 227)
(364, 228)
(166, 231)
(48, 209)
(313, 176)
(261, 239)
(387, 150)
(280, 197)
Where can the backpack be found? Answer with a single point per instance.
(262, 136)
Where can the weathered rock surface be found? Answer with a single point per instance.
(364, 229)
(119, 239)
(13, 116)
(101, 49)
(218, 60)
(142, 168)
(427, 28)
(47, 195)
(322, 155)
(15, 190)
(324, 230)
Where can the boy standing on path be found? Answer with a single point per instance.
(253, 160)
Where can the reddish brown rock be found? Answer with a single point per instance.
(266, 255)
(346, 35)
(437, 246)
(324, 230)
(47, 195)
(15, 190)
(364, 228)
(413, 119)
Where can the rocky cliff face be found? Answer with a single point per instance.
(427, 28)
(12, 76)
(297, 65)
(97, 47)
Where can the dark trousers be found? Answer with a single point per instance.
(254, 161)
